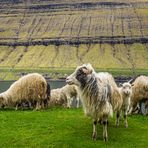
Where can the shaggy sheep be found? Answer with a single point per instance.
(94, 94)
(126, 93)
(63, 96)
(116, 98)
(140, 91)
(31, 88)
(56, 99)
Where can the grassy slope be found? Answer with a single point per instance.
(59, 127)
(39, 24)
(118, 59)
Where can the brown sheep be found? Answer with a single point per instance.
(116, 98)
(140, 91)
(62, 96)
(30, 88)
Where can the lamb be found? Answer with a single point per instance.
(126, 93)
(94, 94)
(62, 96)
(140, 91)
(31, 88)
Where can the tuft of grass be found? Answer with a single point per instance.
(59, 127)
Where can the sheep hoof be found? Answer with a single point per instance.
(94, 136)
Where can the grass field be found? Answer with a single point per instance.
(67, 128)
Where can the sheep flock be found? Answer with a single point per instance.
(98, 93)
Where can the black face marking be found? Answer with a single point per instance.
(81, 77)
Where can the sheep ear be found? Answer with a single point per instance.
(120, 84)
(86, 70)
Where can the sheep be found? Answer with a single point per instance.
(56, 98)
(31, 88)
(62, 96)
(140, 91)
(121, 96)
(116, 98)
(94, 94)
(126, 93)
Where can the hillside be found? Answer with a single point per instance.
(62, 34)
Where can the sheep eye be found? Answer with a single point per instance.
(79, 72)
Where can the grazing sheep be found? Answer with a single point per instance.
(94, 94)
(31, 88)
(56, 99)
(116, 98)
(126, 93)
(63, 96)
(140, 91)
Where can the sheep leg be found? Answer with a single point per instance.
(68, 102)
(78, 102)
(43, 104)
(130, 110)
(125, 119)
(105, 134)
(94, 135)
(117, 118)
(16, 107)
(38, 105)
(29, 103)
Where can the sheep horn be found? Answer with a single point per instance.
(132, 80)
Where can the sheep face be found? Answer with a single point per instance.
(79, 77)
(126, 88)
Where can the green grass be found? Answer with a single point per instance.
(7, 73)
(68, 128)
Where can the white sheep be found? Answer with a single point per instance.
(126, 93)
(140, 91)
(116, 98)
(30, 88)
(94, 94)
(63, 96)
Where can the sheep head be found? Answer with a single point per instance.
(126, 88)
(79, 77)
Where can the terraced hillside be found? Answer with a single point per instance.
(61, 34)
